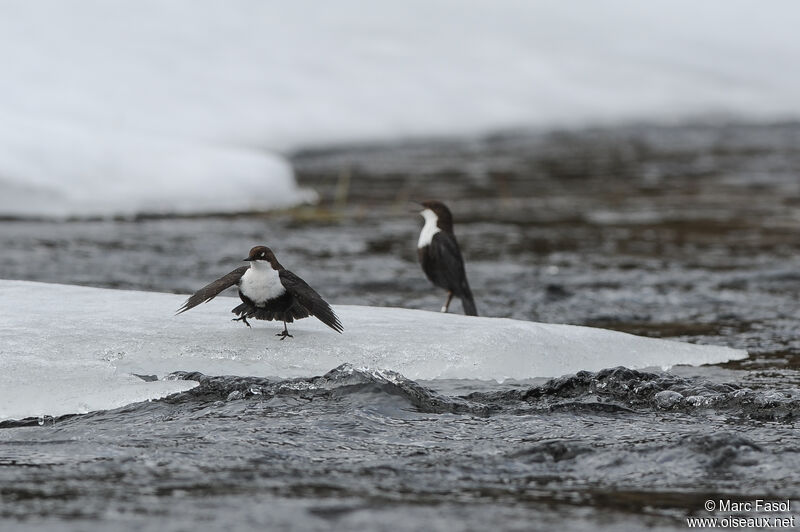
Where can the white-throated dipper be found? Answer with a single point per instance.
(440, 255)
(268, 292)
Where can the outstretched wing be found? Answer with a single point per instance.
(310, 299)
(212, 290)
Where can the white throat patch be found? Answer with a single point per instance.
(261, 283)
(429, 229)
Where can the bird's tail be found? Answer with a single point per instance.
(467, 301)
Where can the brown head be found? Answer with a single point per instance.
(263, 253)
(444, 219)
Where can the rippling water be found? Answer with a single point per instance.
(685, 232)
(369, 449)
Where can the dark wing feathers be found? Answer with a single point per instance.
(212, 290)
(448, 266)
(310, 299)
(447, 260)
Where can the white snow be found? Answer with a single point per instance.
(73, 349)
(185, 106)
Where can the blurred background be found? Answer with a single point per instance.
(624, 164)
(199, 107)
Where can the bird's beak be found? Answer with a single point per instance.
(247, 259)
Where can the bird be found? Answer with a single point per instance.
(268, 292)
(440, 256)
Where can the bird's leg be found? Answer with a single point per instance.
(447, 303)
(242, 318)
(285, 332)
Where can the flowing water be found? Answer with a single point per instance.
(686, 232)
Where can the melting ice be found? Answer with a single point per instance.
(84, 351)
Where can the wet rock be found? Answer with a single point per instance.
(666, 399)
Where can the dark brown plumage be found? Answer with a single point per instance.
(440, 256)
(268, 292)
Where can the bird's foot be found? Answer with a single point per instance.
(446, 305)
(242, 318)
(284, 334)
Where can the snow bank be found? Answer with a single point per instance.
(73, 349)
(108, 101)
(54, 172)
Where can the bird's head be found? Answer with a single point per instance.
(436, 211)
(263, 255)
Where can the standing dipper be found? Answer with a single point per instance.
(440, 255)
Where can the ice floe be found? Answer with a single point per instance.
(69, 349)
